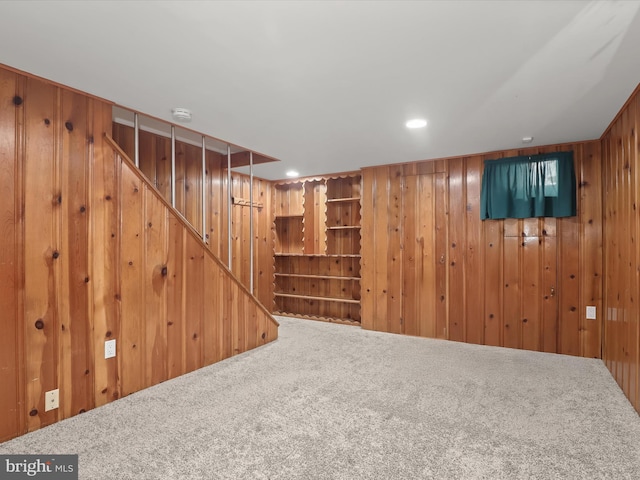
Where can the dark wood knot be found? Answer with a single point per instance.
(83, 209)
(47, 121)
(39, 324)
(164, 271)
(17, 100)
(264, 335)
(86, 372)
(108, 197)
(108, 334)
(33, 413)
(69, 126)
(86, 279)
(524, 320)
(56, 254)
(491, 315)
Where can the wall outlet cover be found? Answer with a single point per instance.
(591, 313)
(51, 400)
(110, 348)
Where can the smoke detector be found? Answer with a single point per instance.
(181, 114)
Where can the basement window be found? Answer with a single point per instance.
(529, 186)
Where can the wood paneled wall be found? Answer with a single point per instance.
(155, 163)
(431, 267)
(90, 252)
(620, 152)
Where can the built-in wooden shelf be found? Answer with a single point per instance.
(330, 255)
(342, 321)
(323, 299)
(317, 257)
(337, 200)
(310, 275)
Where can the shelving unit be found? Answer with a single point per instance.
(317, 249)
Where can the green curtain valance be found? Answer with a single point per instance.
(529, 186)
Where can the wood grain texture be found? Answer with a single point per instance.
(317, 248)
(621, 346)
(516, 283)
(155, 164)
(10, 252)
(87, 249)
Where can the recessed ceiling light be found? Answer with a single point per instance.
(527, 139)
(416, 123)
(292, 173)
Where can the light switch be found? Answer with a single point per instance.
(591, 313)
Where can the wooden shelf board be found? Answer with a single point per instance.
(329, 255)
(323, 277)
(278, 217)
(344, 227)
(323, 299)
(338, 200)
(343, 321)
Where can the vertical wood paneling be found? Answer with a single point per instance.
(10, 321)
(41, 255)
(176, 297)
(394, 257)
(621, 272)
(549, 296)
(473, 254)
(76, 373)
(519, 283)
(83, 251)
(512, 293)
(194, 303)
(457, 297)
(368, 249)
(441, 216)
(132, 341)
(531, 292)
(493, 234)
(155, 287)
(105, 249)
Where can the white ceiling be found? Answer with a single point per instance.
(327, 86)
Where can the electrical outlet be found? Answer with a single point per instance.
(110, 348)
(591, 313)
(51, 400)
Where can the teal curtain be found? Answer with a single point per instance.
(529, 186)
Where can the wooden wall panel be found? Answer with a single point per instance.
(132, 342)
(87, 252)
(75, 356)
(42, 204)
(155, 163)
(515, 283)
(156, 252)
(621, 346)
(11, 323)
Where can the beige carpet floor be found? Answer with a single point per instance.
(335, 402)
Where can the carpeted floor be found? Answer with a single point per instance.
(336, 402)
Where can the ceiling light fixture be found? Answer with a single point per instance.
(292, 173)
(527, 139)
(181, 114)
(416, 123)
